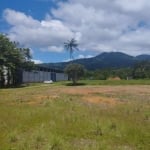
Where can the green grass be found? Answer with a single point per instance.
(93, 82)
(106, 82)
(67, 122)
(116, 82)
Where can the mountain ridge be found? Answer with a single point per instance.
(103, 60)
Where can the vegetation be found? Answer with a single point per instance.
(12, 60)
(95, 83)
(75, 118)
(105, 74)
(71, 46)
(142, 70)
(58, 117)
(75, 72)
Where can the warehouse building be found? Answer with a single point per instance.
(41, 74)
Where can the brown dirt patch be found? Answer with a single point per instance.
(92, 94)
(100, 100)
(138, 90)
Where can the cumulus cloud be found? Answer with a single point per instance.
(80, 56)
(134, 5)
(108, 25)
(84, 56)
(98, 25)
(55, 48)
(37, 61)
(47, 34)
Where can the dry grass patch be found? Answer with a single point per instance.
(101, 100)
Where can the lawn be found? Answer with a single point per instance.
(89, 117)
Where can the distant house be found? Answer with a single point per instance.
(41, 74)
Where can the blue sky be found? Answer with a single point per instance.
(97, 25)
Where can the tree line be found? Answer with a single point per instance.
(140, 70)
(13, 59)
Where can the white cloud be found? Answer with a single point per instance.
(84, 56)
(31, 51)
(81, 56)
(20, 19)
(67, 60)
(89, 56)
(46, 34)
(37, 61)
(55, 48)
(105, 24)
(133, 5)
(98, 25)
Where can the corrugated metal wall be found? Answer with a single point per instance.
(61, 76)
(40, 76)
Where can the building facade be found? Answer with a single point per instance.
(41, 74)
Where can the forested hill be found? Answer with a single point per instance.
(104, 60)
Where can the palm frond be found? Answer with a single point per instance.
(70, 46)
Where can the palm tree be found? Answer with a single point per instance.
(70, 46)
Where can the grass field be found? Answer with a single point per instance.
(91, 117)
(107, 82)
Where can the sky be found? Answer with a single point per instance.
(97, 25)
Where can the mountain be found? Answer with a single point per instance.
(143, 57)
(103, 60)
(107, 60)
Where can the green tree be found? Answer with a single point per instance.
(12, 61)
(141, 70)
(75, 72)
(71, 46)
